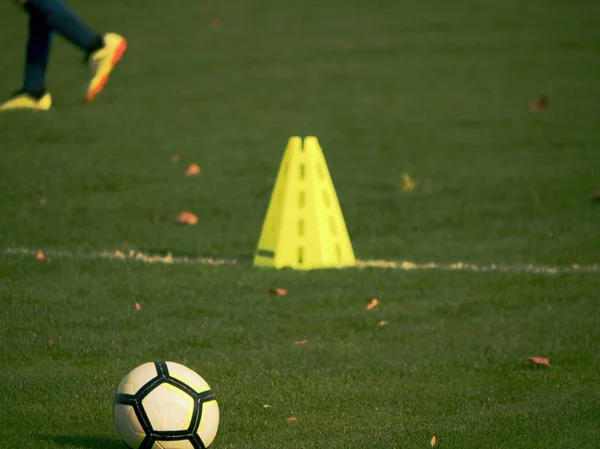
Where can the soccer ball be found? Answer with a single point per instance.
(165, 405)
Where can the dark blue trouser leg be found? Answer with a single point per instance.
(38, 51)
(46, 16)
(63, 19)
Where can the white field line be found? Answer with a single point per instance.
(402, 265)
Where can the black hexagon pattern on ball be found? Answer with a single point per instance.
(135, 400)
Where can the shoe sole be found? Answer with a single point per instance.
(116, 58)
(35, 107)
(25, 108)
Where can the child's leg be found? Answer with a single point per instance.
(63, 19)
(38, 50)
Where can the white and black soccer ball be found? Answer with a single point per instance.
(165, 405)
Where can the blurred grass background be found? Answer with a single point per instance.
(437, 90)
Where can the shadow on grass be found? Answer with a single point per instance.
(83, 441)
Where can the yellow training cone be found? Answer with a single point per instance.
(304, 227)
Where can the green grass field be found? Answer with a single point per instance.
(439, 90)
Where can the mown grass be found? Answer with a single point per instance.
(437, 90)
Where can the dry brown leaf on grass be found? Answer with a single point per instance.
(382, 323)
(278, 291)
(187, 218)
(300, 342)
(408, 184)
(433, 441)
(216, 23)
(51, 341)
(175, 158)
(43, 200)
(138, 306)
(541, 102)
(537, 201)
(539, 360)
(374, 303)
(41, 257)
(193, 170)
(291, 419)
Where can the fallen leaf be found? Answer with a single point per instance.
(216, 23)
(374, 303)
(382, 323)
(193, 170)
(541, 102)
(267, 406)
(51, 341)
(43, 200)
(537, 201)
(40, 256)
(539, 361)
(433, 441)
(408, 185)
(105, 371)
(278, 291)
(291, 419)
(300, 342)
(187, 218)
(138, 306)
(175, 158)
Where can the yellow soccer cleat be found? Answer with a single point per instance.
(23, 100)
(103, 61)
